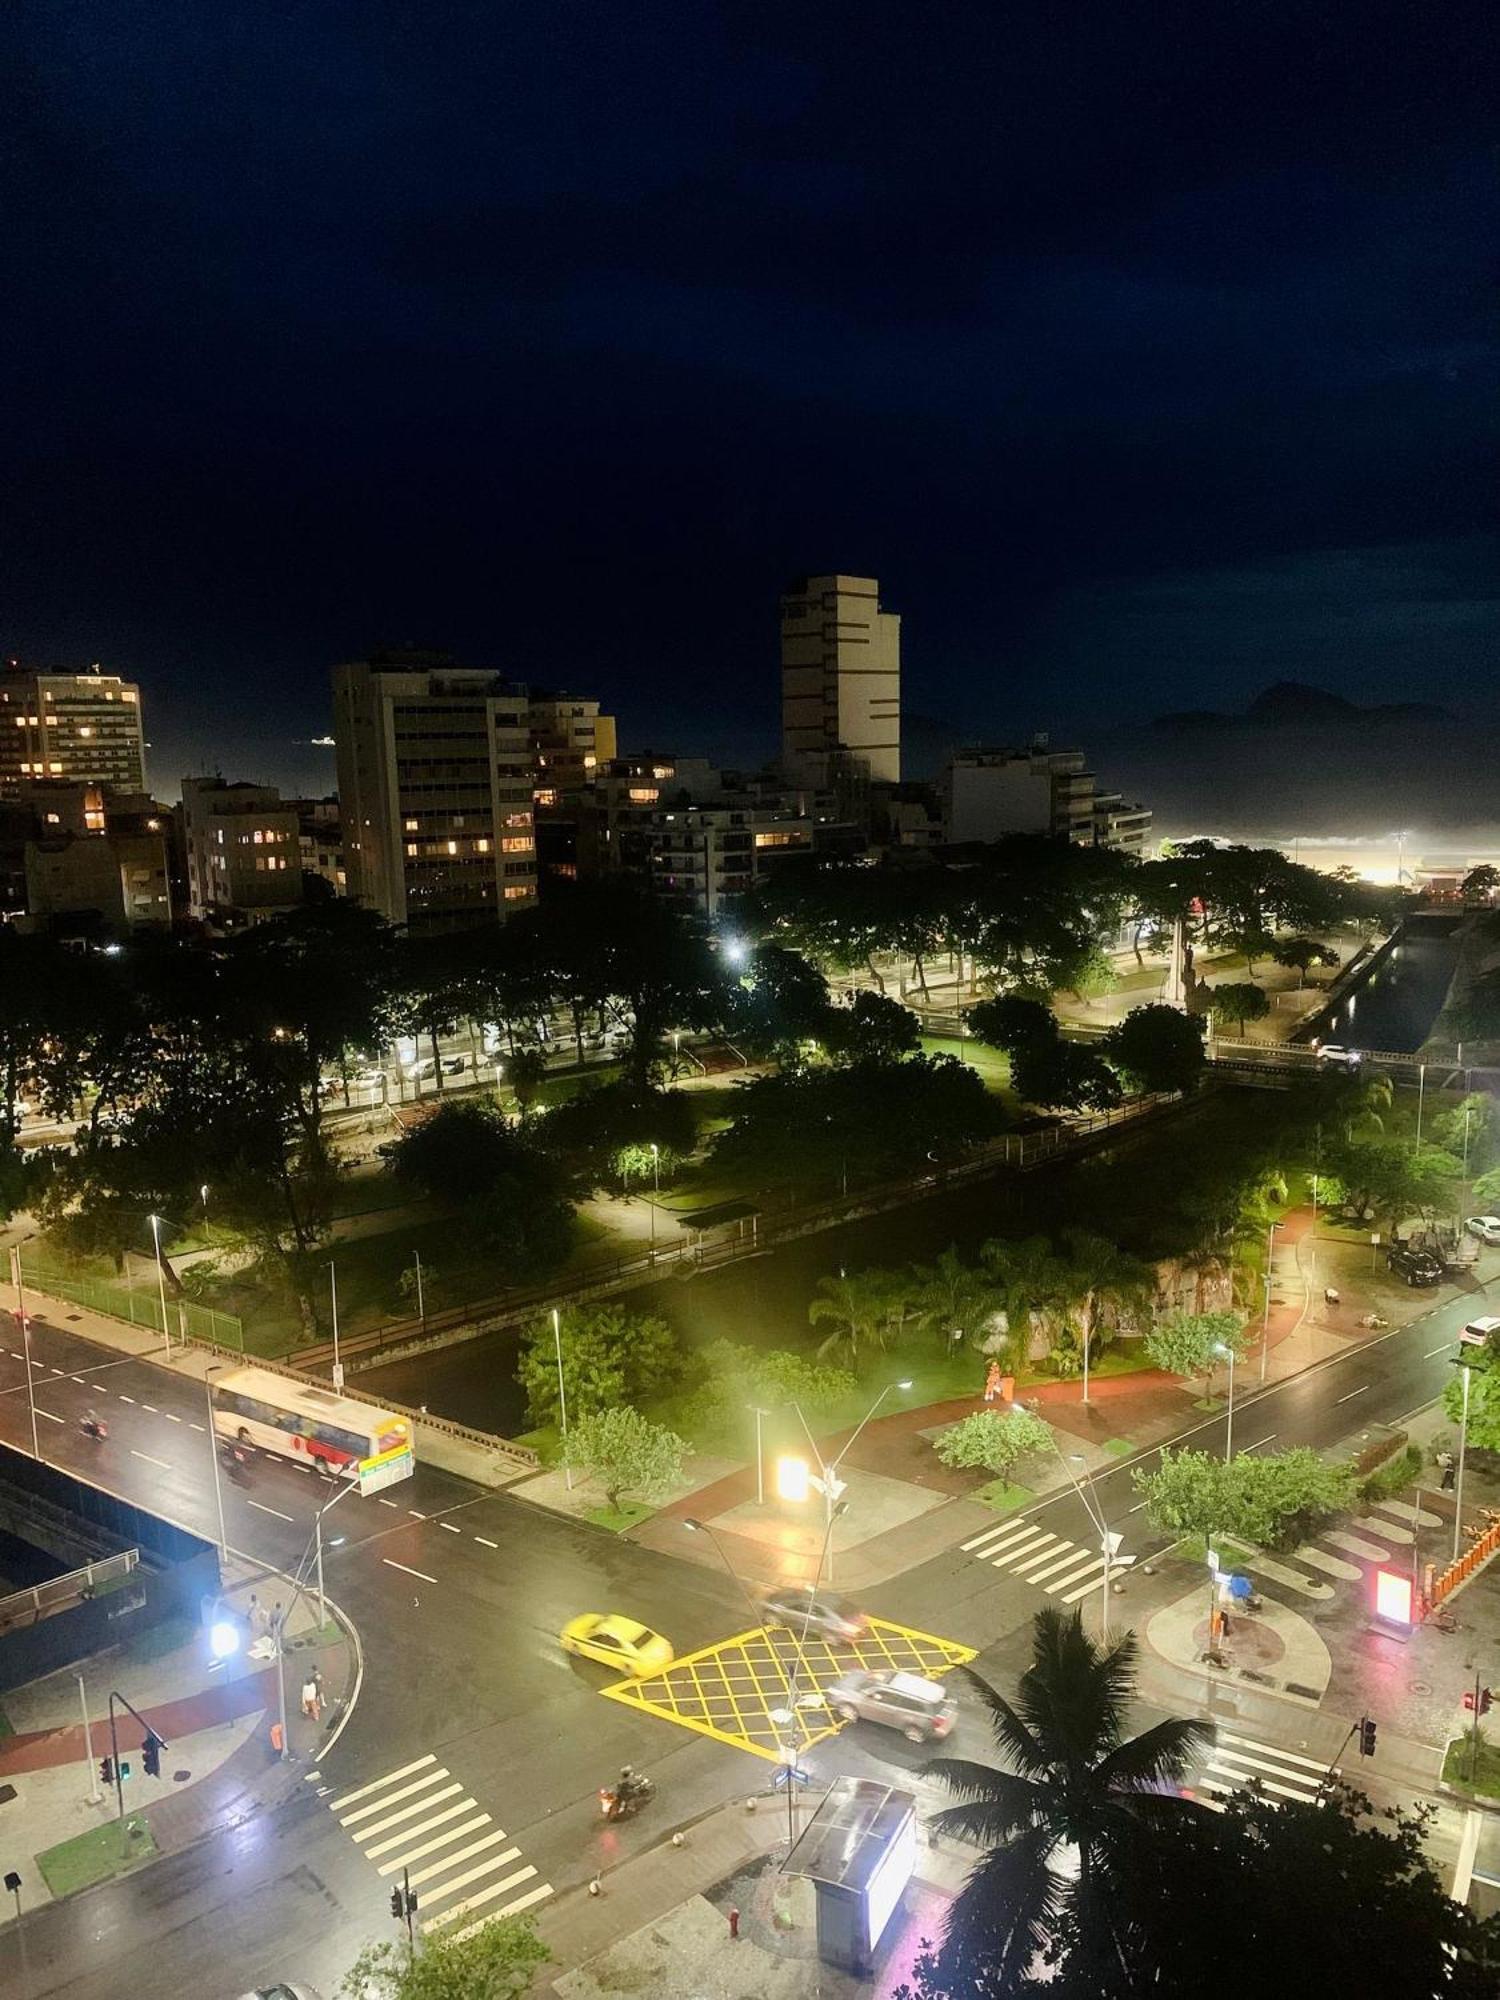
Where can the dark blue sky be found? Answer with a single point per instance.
(1146, 352)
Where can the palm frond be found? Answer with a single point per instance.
(1010, 1733)
(1000, 1920)
(992, 1804)
(1159, 1755)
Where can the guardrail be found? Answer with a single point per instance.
(697, 1252)
(59, 1593)
(143, 1308)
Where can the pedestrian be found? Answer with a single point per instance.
(310, 1700)
(1445, 1460)
(992, 1382)
(260, 1618)
(278, 1619)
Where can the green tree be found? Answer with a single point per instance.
(1099, 1282)
(511, 1197)
(1077, 1789)
(1030, 1283)
(1480, 884)
(872, 1026)
(1237, 1004)
(626, 1453)
(1273, 1499)
(1157, 1049)
(993, 1440)
(856, 1309)
(1188, 1344)
(526, 1072)
(610, 1355)
(496, 1962)
(952, 1297)
(1093, 976)
(1064, 1076)
(1301, 953)
(1011, 1023)
(1387, 1180)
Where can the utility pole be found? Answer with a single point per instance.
(96, 1797)
(15, 1267)
(1458, 1485)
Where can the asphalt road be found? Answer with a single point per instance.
(458, 1594)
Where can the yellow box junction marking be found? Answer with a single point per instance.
(729, 1690)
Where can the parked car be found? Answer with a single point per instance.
(1418, 1267)
(920, 1709)
(1485, 1227)
(821, 1611)
(1340, 1057)
(281, 1991)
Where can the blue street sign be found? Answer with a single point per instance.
(787, 1773)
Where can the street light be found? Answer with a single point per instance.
(1265, 1325)
(1227, 1353)
(213, 1452)
(161, 1281)
(1109, 1544)
(25, 1325)
(562, 1397)
(656, 1195)
(780, 1716)
(760, 1461)
(828, 1483)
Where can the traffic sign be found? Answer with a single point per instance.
(789, 1774)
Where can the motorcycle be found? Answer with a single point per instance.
(94, 1427)
(624, 1800)
(236, 1461)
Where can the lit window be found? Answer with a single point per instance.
(54, 819)
(546, 798)
(514, 893)
(453, 847)
(84, 729)
(56, 768)
(482, 846)
(518, 819)
(661, 770)
(411, 849)
(641, 795)
(258, 837)
(589, 761)
(410, 826)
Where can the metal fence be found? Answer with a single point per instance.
(59, 1593)
(185, 1319)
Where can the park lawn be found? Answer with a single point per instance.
(95, 1856)
(989, 1064)
(618, 1519)
(1485, 1782)
(1002, 1496)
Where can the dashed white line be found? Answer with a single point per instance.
(171, 1419)
(79, 1380)
(1354, 1392)
(124, 1398)
(450, 1527)
(99, 1389)
(1260, 1441)
(1129, 1510)
(387, 1503)
(155, 1461)
(48, 1413)
(151, 1407)
(268, 1510)
(194, 1427)
(495, 1545)
(391, 1563)
(1437, 1350)
(415, 1515)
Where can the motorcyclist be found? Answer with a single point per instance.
(93, 1426)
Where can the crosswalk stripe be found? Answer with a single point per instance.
(1083, 1589)
(410, 1854)
(1067, 1555)
(1024, 1545)
(407, 1812)
(456, 1860)
(1238, 1781)
(484, 1896)
(416, 1832)
(1317, 1764)
(1014, 1538)
(432, 1777)
(1039, 1558)
(376, 1783)
(997, 1534)
(514, 1909)
(444, 1890)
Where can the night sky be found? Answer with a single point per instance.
(1146, 351)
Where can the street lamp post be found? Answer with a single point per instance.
(1458, 1484)
(760, 1459)
(161, 1280)
(213, 1453)
(1228, 1353)
(333, 1297)
(1421, 1096)
(656, 1192)
(829, 1483)
(25, 1324)
(1265, 1325)
(1109, 1544)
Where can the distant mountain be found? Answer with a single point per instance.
(1294, 705)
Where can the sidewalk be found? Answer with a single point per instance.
(215, 1720)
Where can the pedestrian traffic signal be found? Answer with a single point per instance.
(151, 1751)
(397, 1909)
(107, 1767)
(1366, 1737)
(1477, 1700)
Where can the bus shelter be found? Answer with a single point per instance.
(858, 1850)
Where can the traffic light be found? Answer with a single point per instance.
(107, 1765)
(398, 1908)
(151, 1751)
(1366, 1737)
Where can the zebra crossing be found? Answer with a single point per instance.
(1242, 1763)
(419, 1817)
(1062, 1568)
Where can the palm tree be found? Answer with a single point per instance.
(1028, 1278)
(1098, 1275)
(952, 1297)
(857, 1307)
(1076, 1783)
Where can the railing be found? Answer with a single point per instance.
(695, 1252)
(60, 1593)
(185, 1318)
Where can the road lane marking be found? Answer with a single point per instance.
(415, 1515)
(428, 1800)
(441, 1891)
(170, 1418)
(124, 1398)
(149, 1459)
(450, 1527)
(1437, 1350)
(151, 1407)
(391, 1563)
(409, 1854)
(1354, 1392)
(511, 1909)
(375, 1784)
(484, 1896)
(79, 1380)
(488, 1544)
(269, 1510)
(463, 1854)
(194, 1427)
(1260, 1441)
(430, 1777)
(1138, 1506)
(48, 1413)
(99, 1389)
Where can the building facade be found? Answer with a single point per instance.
(96, 862)
(840, 679)
(80, 728)
(435, 790)
(241, 844)
(989, 793)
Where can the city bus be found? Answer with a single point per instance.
(304, 1420)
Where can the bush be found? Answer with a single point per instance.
(993, 1440)
(610, 1356)
(1393, 1476)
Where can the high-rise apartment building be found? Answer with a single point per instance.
(435, 790)
(840, 679)
(81, 728)
(570, 741)
(988, 793)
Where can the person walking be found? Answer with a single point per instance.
(1445, 1461)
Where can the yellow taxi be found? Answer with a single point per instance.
(621, 1643)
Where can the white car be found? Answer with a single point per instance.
(1340, 1057)
(1485, 1227)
